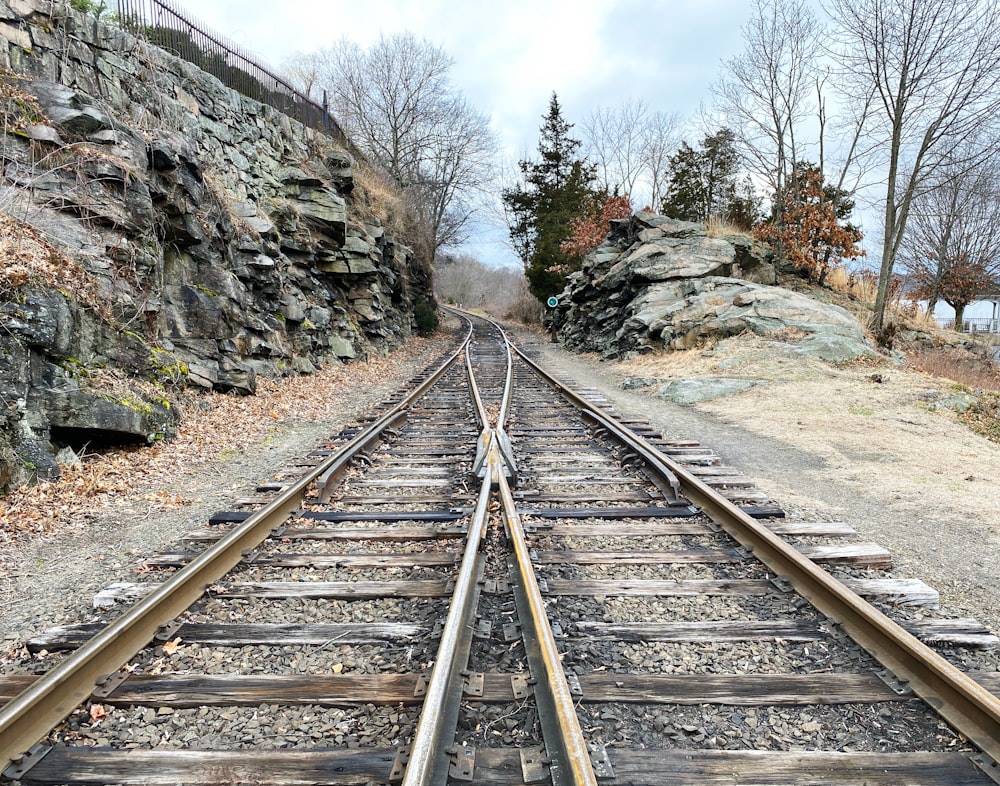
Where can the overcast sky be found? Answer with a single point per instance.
(511, 55)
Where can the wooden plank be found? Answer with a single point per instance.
(861, 554)
(615, 587)
(867, 555)
(968, 633)
(690, 689)
(550, 478)
(714, 631)
(671, 767)
(346, 590)
(382, 534)
(812, 528)
(678, 556)
(329, 690)
(534, 495)
(904, 592)
(611, 513)
(13, 684)
(656, 528)
(367, 560)
(911, 592)
(403, 499)
(626, 530)
(392, 483)
(235, 635)
(736, 689)
(335, 767)
(730, 482)
(239, 516)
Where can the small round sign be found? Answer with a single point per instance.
(553, 301)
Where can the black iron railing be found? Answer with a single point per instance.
(165, 24)
(980, 325)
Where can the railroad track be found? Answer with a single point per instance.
(496, 581)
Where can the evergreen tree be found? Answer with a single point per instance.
(555, 190)
(704, 183)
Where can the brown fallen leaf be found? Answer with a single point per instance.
(170, 647)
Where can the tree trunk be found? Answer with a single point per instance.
(959, 315)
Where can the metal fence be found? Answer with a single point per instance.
(981, 325)
(165, 24)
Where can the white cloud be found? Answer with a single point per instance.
(510, 56)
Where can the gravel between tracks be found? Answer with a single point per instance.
(828, 443)
(823, 441)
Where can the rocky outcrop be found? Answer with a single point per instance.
(220, 239)
(661, 283)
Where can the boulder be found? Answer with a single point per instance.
(691, 391)
(657, 283)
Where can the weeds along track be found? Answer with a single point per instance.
(495, 581)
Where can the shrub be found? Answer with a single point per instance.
(425, 318)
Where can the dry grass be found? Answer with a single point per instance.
(862, 287)
(377, 196)
(959, 366)
(719, 227)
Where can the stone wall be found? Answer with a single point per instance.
(223, 240)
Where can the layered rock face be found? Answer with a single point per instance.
(223, 239)
(657, 283)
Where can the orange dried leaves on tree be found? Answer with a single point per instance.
(589, 231)
(808, 232)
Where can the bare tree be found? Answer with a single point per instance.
(501, 291)
(452, 179)
(660, 142)
(951, 250)
(631, 147)
(614, 138)
(305, 71)
(766, 93)
(396, 102)
(933, 67)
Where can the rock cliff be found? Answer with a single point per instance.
(211, 239)
(661, 283)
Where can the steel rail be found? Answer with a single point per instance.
(624, 435)
(428, 761)
(479, 465)
(564, 740)
(508, 384)
(969, 707)
(32, 714)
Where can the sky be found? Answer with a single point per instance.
(510, 56)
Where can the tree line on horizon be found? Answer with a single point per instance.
(888, 101)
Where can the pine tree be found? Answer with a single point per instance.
(555, 190)
(705, 183)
